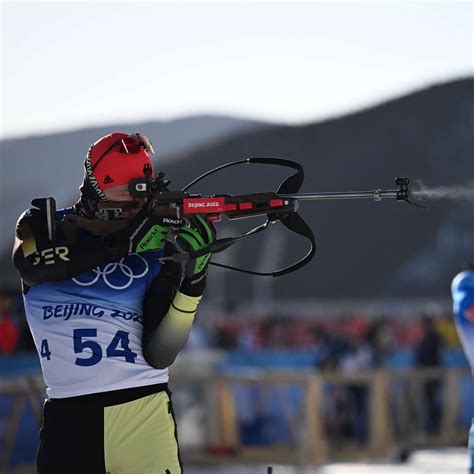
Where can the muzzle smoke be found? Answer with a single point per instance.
(464, 192)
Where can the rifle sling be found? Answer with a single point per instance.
(293, 221)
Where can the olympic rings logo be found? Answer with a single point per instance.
(110, 270)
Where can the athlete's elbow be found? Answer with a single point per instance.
(27, 271)
(160, 359)
(29, 278)
(33, 275)
(163, 363)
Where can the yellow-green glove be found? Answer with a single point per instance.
(198, 235)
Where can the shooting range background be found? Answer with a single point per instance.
(364, 249)
(357, 92)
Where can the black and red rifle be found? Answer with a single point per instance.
(174, 207)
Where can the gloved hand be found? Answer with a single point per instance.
(143, 233)
(151, 236)
(198, 235)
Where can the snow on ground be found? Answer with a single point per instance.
(442, 461)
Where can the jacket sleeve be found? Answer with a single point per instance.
(38, 260)
(168, 315)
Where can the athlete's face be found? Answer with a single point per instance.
(121, 193)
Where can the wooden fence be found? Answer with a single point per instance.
(311, 445)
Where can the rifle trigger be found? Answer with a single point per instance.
(214, 217)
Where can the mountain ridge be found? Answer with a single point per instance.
(424, 135)
(364, 249)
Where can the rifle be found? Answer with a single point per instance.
(173, 208)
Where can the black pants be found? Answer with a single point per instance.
(126, 431)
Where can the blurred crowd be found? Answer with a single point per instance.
(15, 335)
(349, 343)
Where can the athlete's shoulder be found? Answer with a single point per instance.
(463, 282)
(35, 219)
(29, 213)
(30, 218)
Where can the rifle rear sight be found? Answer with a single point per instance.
(148, 186)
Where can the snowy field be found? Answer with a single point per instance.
(442, 461)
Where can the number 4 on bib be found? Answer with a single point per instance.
(45, 352)
(121, 338)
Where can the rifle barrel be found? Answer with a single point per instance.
(376, 195)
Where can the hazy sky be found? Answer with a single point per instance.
(68, 65)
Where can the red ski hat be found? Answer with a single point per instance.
(117, 158)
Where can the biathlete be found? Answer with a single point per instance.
(108, 319)
(462, 290)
